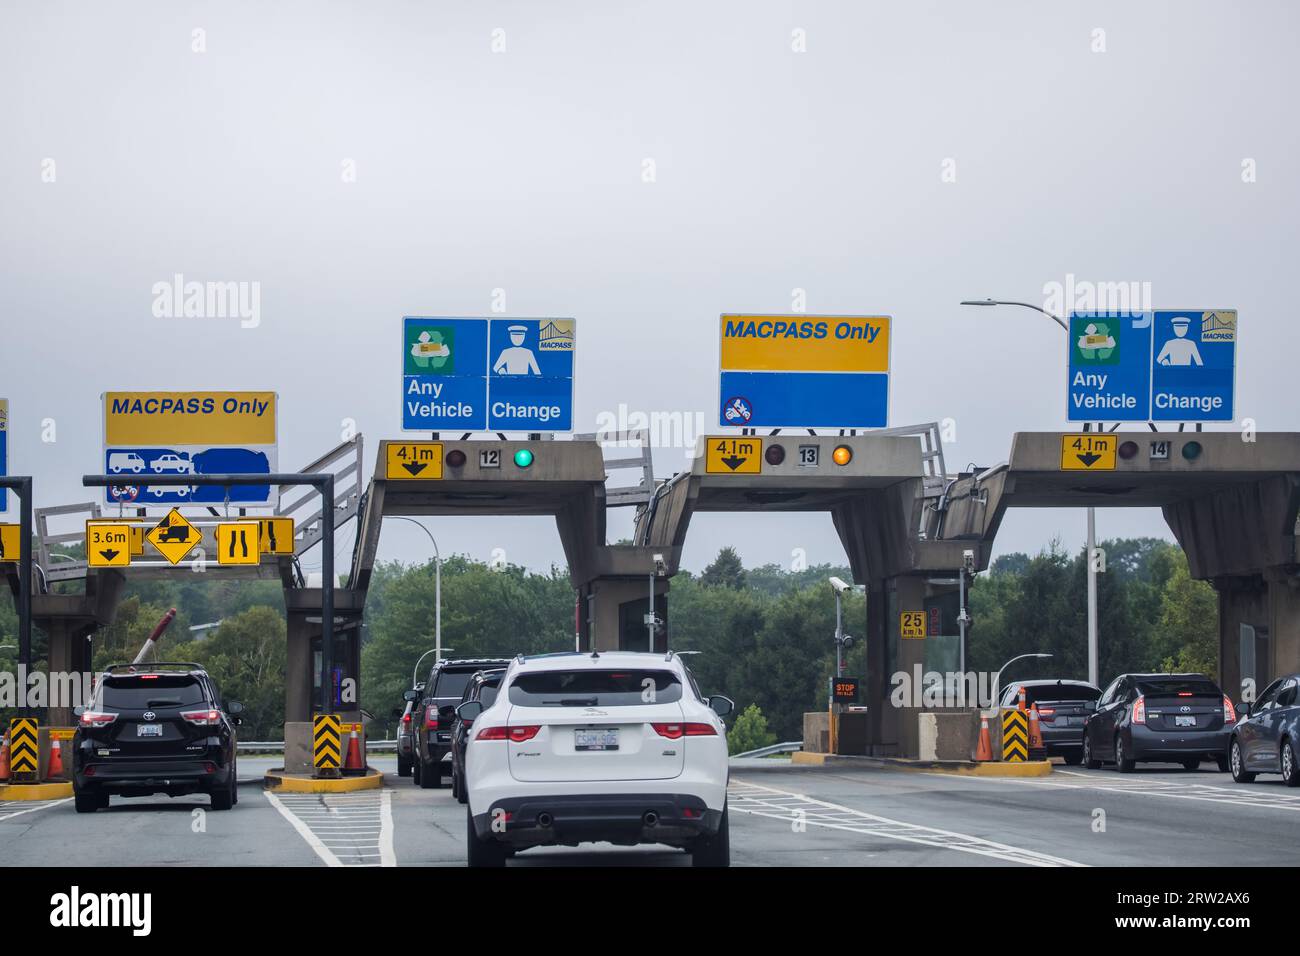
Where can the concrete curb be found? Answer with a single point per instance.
(970, 768)
(35, 791)
(302, 783)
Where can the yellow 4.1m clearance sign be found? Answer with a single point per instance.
(180, 434)
(804, 371)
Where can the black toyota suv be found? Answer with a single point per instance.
(435, 711)
(155, 728)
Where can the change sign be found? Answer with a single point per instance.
(1164, 366)
(804, 371)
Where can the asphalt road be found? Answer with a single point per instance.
(780, 815)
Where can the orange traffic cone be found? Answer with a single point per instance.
(1021, 704)
(55, 769)
(4, 757)
(1037, 749)
(985, 749)
(354, 763)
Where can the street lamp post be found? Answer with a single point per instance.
(1093, 664)
(842, 641)
(437, 591)
(997, 681)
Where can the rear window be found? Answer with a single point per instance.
(139, 693)
(452, 684)
(1061, 692)
(590, 688)
(1174, 686)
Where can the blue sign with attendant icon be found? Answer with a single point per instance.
(1194, 373)
(530, 380)
(1163, 366)
(465, 374)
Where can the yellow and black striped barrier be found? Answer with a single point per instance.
(1015, 736)
(326, 743)
(24, 748)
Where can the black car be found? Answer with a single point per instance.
(1265, 739)
(435, 711)
(1063, 708)
(483, 688)
(1159, 718)
(155, 728)
(406, 734)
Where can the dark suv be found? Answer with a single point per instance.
(435, 711)
(483, 688)
(155, 728)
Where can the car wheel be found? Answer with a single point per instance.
(234, 782)
(1122, 759)
(1190, 764)
(714, 850)
(1072, 758)
(1237, 763)
(403, 767)
(430, 776)
(1290, 765)
(481, 853)
(1089, 761)
(461, 795)
(224, 799)
(1222, 764)
(89, 802)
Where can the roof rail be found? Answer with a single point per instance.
(155, 666)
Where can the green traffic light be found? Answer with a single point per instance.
(523, 458)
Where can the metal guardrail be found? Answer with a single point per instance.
(277, 746)
(788, 747)
(348, 487)
(638, 441)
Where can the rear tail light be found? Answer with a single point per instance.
(517, 734)
(209, 768)
(93, 718)
(431, 722)
(676, 731)
(1229, 712)
(406, 718)
(202, 718)
(1047, 713)
(1140, 710)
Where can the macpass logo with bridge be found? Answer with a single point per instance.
(176, 434)
(804, 371)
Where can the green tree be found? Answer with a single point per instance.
(726, 571)
(749, 732)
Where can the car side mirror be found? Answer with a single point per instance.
(78, 711)
(722, 706)
(470, 710)
(1243, 709)
(234, 708)
(411, 695)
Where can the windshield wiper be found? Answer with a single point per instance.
(572, 702)
(163, 702)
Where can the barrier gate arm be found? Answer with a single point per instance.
(21, 485)
(322, 482)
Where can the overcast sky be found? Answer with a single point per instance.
(362, 161)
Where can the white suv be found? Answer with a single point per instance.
(581, 748)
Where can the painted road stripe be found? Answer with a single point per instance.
(1238, 795)
(783, 805)
(16, 808)
(344, 829)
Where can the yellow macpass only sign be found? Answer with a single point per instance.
(805, 343)
(108, 544)
(166, 419)
(409, 460)
(1088, 452)
(733, 456)
(912, 625)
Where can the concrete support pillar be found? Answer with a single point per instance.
(1259, 630)
(68, 655)
(612, 610)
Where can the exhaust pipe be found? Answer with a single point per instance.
(650, 818)
(544, 820)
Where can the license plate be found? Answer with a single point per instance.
(595, 739)
(148, 730)
(1184, 721)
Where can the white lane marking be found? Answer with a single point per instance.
(16, 808)
(1238, 795)
(343, 829)
(783, 805)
